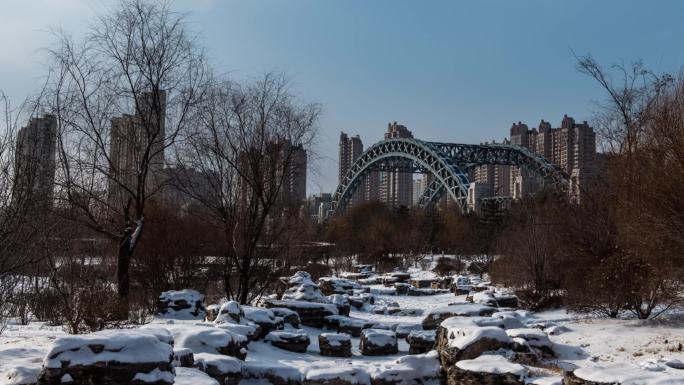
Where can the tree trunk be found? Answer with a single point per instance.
(122, 274)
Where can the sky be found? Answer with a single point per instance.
(453, 71)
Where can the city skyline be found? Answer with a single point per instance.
(464, 76)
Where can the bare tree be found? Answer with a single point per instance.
(121, 96)
(247, 143)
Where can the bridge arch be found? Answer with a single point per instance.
(404, 154)
(447, 162)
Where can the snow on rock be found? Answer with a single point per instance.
(463, 309)
(378, 342)
(289, 316)
(421, 341)
(310, 313)
(341, 302)
(461, 338)
(263, 317)
(183, 357)
(339, 375)
(335, 344)
(302, 288)
(223, 369)
(625, 374)
(181, 304)
(535, 338)
(272, 371)
(486, 369)
(294, 341)
(344, 324)
(484, 297)
(229, 312)
(332, 285)
(189, 376)
(110, 357)
(204, 338)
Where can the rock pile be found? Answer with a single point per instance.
(181, 304)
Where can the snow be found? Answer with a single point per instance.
(533, 336)
(189, 376)
(465, 309)
(349, 374)
(629, 374)
(154, 376)
(302, 288)
(128, 346)
(462, 338)
(201, 338)
(223, 363)
(380, 337)
(259, 314)
(336, 339)
(281, 335)
(491, 363)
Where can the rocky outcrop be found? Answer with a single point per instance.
(378, 342)
(463, 338)
(289, 317)
(263, 317)
(183, 358)
(335, 344)
(294, 341)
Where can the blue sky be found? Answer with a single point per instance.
(449, 70)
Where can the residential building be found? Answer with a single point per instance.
(35, 162)
(396, 187)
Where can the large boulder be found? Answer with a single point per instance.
(295, 341)
(183, 357)
(341, 302)
(226, 370)
(181, 304)
(486, 369)
(378, 342)
(335, 344)
(229, 312)
(462, 309)
(310, 313)
(534, 338)
(467, 338)
(333, 285)
(110, 357)
(421, 341)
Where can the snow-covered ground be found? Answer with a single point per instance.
(582, 340)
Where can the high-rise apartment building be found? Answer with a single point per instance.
(396, 187)
(35, 162)
(130, 136)
(350, 150)
(572, 146)
(293, 190)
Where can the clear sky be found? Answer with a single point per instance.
(459, 71)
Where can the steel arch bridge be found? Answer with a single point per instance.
(448, 163)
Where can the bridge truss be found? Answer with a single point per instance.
(448, 163)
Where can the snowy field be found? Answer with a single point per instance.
(581, 339)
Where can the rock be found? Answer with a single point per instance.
(310, 313)
(273, 372)
(294, 341)
(461, 338)
(423, 283)
(351, 326)
(19, 375)
(110, 357)
(289, 316)
(378, 342)
(339, 375)
(413, 369)
(181, 304)
(463, 309)
(212, 312)
(205, 338)
(334, 344)
(226, 370)
(263, 317)
(191, 376)
(341, 302)
(402, 288)
(421, 341)
(229, 312)
(535, 338)
(332, 285)
(486, 369)
(251, 331)
(418, 292)
(302, 288)
(183, 358)
(359, 301)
